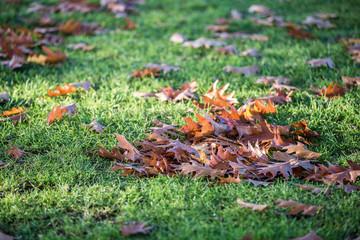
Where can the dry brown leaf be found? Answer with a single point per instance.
(326, 15)
(131, 152)
(204, 42)
(178, 38)
(163, 67)
(349, 188)
(236, 15)
(277, 80)
(260, 9)
(95, 126)
(314, 190)
(81, 46)
(228, 180)
(251, 52)
(257, 183)
(300, 151)
(201, 170)
(321, 62)
(246, 71)
(310, 236)
(254, 207)
(147, 72)
(319, 23)
(332, 91)
(217, 28)
(257, 37)
(85, 85)
(16, 152)
(133, 228)
(299, 33)
(53, 57)
(129, 24)
(70, 109)
(14, 118)
(228, 50)
(297, 207)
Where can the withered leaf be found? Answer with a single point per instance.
(257, 183)
(333, 91)
(70, 109)
(14, 118)
(13, 111)
(178, 38)
(297, 207)
(217, 28)
(201, 170)
(310, 236)
(321, 62)
(129, 169)
(147, 72)
(95, 126)
(4, 97)
(133, 228)
(277, 80)
(251, 52)
(299, 33)
(314, 190)
(231, 49)
(228, 180)
(204, 42)
(319, 23)
(325, 15)
(246, 71)
(81, 46)
(14, 62)
(349, 81)
(349, 188)
(114, 154)
(55, 114)
(132, 153)
(260, 9)
(61, 91)
(300, 151)
(236, 15)
(85, 85)
(257, 37)
(214, 93)
(129, 24)
(254, 207)
(282, 86)
(16, 152)
(163, 67)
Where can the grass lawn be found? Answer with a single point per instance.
(64, 192)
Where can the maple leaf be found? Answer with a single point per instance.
(333, 91)
(246, 71)
(300, 151)
(129, 24)
(16, 152)
(55, 114)
(61, 91)
(95, 126)
(178, 38)
(254, 207)
(204, 42)
(13, 111)
(201, 170)
(251, 52)
(310, 236)
(297, 207)
(81, 46)
(231, 49)
(299, 33)
(133, 228)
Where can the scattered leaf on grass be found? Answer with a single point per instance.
(319, 23)
(257, 37)
(349, 188)
(133, 228)
(297, 207)
(326, 15)
(332, 91)
(314, 190)
(178, 38)
(299, 33)
(228, 50)
(70, 109)
(61, 91)
(300, 151)
(251, 52)
(310, 236)
(163, 67)
(204, 42)
(81, 46)
(321, 62)
(147, 72)
(55, 114)
(236, 15)
(13, 111)
(85, 85)
(16, 152)
(254, 207)
(246, 71)
(277, 80)
(95, 126)
(129, 24)
(260, 9)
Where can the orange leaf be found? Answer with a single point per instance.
(129, 24)
(333, 91)
(13, 111)
(53, 57)
(61, 91)
(55, 114)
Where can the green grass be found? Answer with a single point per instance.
(63, 192)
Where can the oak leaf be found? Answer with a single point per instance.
(326, 15)
(300, 151)
(13, 111)
(257, 183)
(314, 190)
(55, 114)
(228, 50)
(14, 118)
(114, 154)
(131, 152)
(129, 169)
(310, 236)
(201, 170)
(254, 207)
(53, 57)
(321, 62)
(16, 152)
(147, 72)
(236, 15)
(228, 180)
(134, 228)
(217, 28)
(95, 126)
(333, 91)
(349, 188)
(297, 207)
(246, 71)
(204, 42)
(277, 80)
(85, 85)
